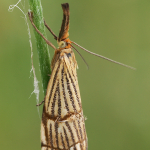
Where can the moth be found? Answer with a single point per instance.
(63, 123)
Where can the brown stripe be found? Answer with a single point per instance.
(75, 90)
(75, 127)
(63, 141)
(66, 137)
(56, 131)
(81, 146)
(63, 88)
(51, 137)
(54, 100)
(70, 130)
(54, 80)
(75, 76)
(80, 130)
(59, 102)
(70, 94)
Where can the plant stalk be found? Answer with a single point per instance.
(42, 47)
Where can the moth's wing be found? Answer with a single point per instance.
(63, 95)
(62, 124)
(65, 135)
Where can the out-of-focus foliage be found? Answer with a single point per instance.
(115, 99)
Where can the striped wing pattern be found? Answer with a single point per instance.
(63, 126)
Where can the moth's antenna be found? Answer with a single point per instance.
(104, 57)
(81, 56)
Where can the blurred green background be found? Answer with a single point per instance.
(116, 100)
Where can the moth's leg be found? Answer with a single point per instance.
(46, 25)
(31, 19)
(41, 103)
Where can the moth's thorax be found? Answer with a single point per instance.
(66, 56)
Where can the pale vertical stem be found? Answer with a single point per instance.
(42, 47)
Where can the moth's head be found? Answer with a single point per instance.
(64, 53)
(62, 44)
